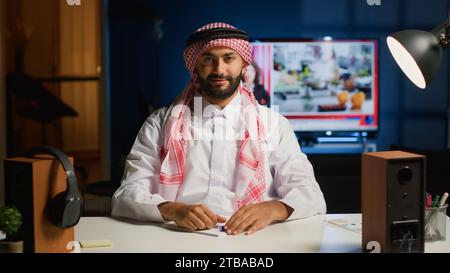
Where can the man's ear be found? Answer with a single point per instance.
(244, 69)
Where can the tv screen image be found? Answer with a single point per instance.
(319, 85)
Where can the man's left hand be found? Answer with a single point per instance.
(251, 218)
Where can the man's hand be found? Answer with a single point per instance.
(192, 217)
(251, 218)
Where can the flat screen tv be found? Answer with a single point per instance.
(320, 85)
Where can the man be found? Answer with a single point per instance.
(215, 155)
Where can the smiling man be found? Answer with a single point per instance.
(215, 155)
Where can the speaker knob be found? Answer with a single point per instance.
(404, 175)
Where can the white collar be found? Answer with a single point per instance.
(209, 110)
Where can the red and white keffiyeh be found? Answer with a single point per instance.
(250, 184)
(191, 53)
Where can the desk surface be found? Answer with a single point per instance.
(313, 234)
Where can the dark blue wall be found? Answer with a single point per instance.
(145, 71)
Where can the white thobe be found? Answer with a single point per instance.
(211, 165)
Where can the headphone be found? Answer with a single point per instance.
(66, 207)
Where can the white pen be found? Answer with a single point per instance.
(443, 199)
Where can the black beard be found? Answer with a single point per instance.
(217, 93)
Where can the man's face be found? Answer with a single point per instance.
(220, 72)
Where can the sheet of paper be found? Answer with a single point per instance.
(217, 231)
(349, 225)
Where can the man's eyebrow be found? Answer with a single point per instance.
(209, 54)
(229, 54)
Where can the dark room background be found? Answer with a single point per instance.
(117, 61)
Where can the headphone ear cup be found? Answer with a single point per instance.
(65, 213)
(56, 208)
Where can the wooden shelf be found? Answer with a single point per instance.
(69, 78)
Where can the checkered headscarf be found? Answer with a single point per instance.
(192, 52)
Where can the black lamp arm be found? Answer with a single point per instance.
(442, 32)
(448, 11)
(444, 39)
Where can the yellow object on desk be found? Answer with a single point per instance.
(95, 243)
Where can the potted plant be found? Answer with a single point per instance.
(11, 226)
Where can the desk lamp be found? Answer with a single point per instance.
(418, 52)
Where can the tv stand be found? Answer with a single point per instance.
(351, 143)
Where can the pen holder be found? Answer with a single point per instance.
(435, 219)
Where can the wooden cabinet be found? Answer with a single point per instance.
(59, 45)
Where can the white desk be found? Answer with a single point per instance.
(306, 235)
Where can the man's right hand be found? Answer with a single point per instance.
(192, 217)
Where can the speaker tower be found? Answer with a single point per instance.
(393, 196)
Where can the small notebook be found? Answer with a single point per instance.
(217, 231)
(95, 243)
